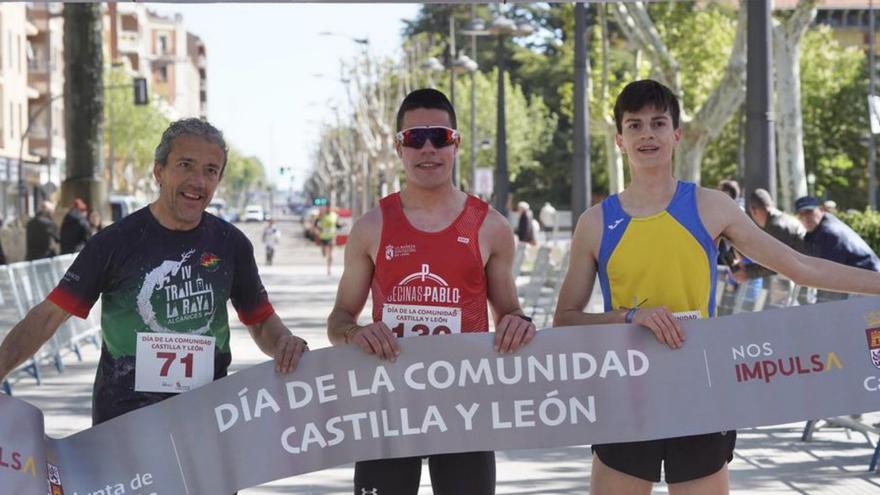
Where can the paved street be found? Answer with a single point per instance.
(769, 460)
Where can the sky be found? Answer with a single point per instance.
(272, 76)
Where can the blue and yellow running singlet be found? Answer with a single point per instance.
(666, 259)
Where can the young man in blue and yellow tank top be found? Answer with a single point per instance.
(653, 247)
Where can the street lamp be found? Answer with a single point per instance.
(475, 27)
(502, 28)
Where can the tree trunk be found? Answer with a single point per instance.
(615, 160)
(83, 105)
(789, 116)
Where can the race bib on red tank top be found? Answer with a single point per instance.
(430, 283)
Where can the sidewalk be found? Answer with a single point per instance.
(769, 460)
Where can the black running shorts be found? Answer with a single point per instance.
(468, 473)
(683, 458)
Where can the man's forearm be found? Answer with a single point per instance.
(754, 270)
(26, 338)
(828, 275)
(574, 317)
(340, 325)
(266, 334)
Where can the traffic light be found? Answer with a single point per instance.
(320, 202)
(140, 91)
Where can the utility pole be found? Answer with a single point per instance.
(580, 167)
(760, 169)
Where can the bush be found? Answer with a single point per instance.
(866, 224)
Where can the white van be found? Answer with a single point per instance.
(123, 206)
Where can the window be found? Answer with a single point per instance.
(162, 73)
(163, 44)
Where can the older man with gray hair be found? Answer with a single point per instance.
(782, 226)
(168, 268)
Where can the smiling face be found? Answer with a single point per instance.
(648, 138)
(427, 167)
(187, 181)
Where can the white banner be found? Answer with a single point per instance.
(452, 393)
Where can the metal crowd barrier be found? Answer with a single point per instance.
(25, 284)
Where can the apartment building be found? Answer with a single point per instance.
(32, 85)
(17, 94)
(159, 48)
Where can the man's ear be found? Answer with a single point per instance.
(157, 172)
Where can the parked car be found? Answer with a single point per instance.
(123, 206)
(253, 213)
(217, 208)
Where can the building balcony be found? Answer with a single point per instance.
(39, 82)
(38, 17)
(30, 29)
(128, 42)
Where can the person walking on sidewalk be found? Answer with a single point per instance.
(654, 249)
(75, 228)
(40, 233)
(153, 270)
(429, 234)
(271, 236)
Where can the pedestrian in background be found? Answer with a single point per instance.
(96, 223)
(75, 228)
(40, 232)
(271, 236)
(547, 216)
(525, 231)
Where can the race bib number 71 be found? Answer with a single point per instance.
(173, 362)
(407, 320)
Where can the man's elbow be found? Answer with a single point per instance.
(561, 317)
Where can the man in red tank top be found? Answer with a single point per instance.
(435, 259)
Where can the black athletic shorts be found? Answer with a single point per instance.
(683, 458)
(467, 473)
(327, 242)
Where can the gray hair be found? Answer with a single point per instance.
(191, 127)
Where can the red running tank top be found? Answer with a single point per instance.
(430, 283)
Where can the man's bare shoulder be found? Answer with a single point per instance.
(717, 210)
(495, 226)
(367, 230)
(713, 199)
(588, 231)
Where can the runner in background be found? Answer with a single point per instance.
(430, 249)
(327, 223)
(653, 247)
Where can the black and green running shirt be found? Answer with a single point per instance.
(152, 279)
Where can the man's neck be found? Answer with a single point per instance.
(164, 218)
(439, 197)
(650, 189)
